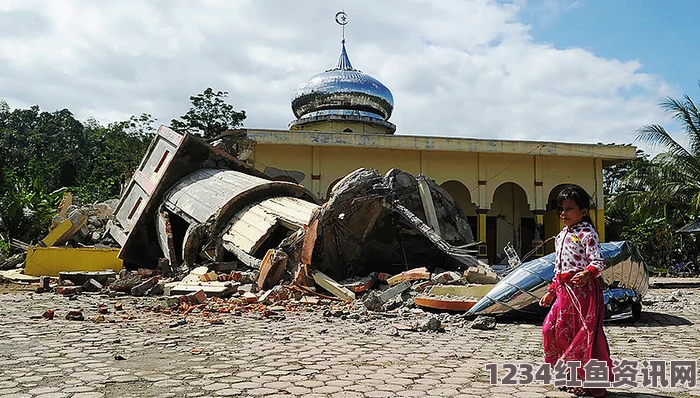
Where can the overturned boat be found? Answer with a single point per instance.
(625, 281)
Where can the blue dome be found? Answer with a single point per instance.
(342, 90)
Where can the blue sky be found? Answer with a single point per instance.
(662, 35)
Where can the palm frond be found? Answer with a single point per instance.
(656, 135)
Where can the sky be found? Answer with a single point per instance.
(588, 71)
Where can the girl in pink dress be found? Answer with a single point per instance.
(573, 328)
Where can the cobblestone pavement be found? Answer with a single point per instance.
(305, 354)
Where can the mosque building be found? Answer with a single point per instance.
(506, 188)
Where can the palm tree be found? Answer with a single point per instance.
(653, 198)
(669, 185)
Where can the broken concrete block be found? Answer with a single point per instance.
(244, 277)
(194, 275)
(211, 289)
(332, 286)
(481, 275)
(483, 322)
(431, 324)
(142, 288)
(272, 268)
(375, 301)
(92, 286)
(126, 284)
(171, 302)
(157, 289)
(75, 315)
(247, 288)
(415, 274)
(394, 291)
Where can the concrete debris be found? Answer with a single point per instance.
(75, 315)
(483, 322)
(415, 274)
(92, 286)
(213, 235)
(431, 324)
(481, 275)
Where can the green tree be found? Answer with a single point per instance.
(209, 115)
(44, 152)
(26, 210)
(653, 198)
(675, 172)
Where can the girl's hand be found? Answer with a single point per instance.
(581, 278)
(547, 299)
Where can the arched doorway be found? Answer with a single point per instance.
(460, 193)
(509, 220)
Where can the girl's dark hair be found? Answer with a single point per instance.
(579, 196)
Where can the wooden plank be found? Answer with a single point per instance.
(428, 205)
(332, 286)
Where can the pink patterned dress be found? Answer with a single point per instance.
(573, 328)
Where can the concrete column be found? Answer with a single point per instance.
(316, 170)
(482, 207)
(540, 201)
(599, 199)
(539, 219)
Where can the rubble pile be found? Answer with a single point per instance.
(215, 236)
(74, 226)
(89, 224)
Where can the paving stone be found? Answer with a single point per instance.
(229, 392)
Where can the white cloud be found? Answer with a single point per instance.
(456, 68)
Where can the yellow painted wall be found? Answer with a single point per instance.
(356, 127)
(461, 195)
(285, 157)
(443, 166)
(504, 168)
(49, 261)
(567, 170)
(336, 162)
